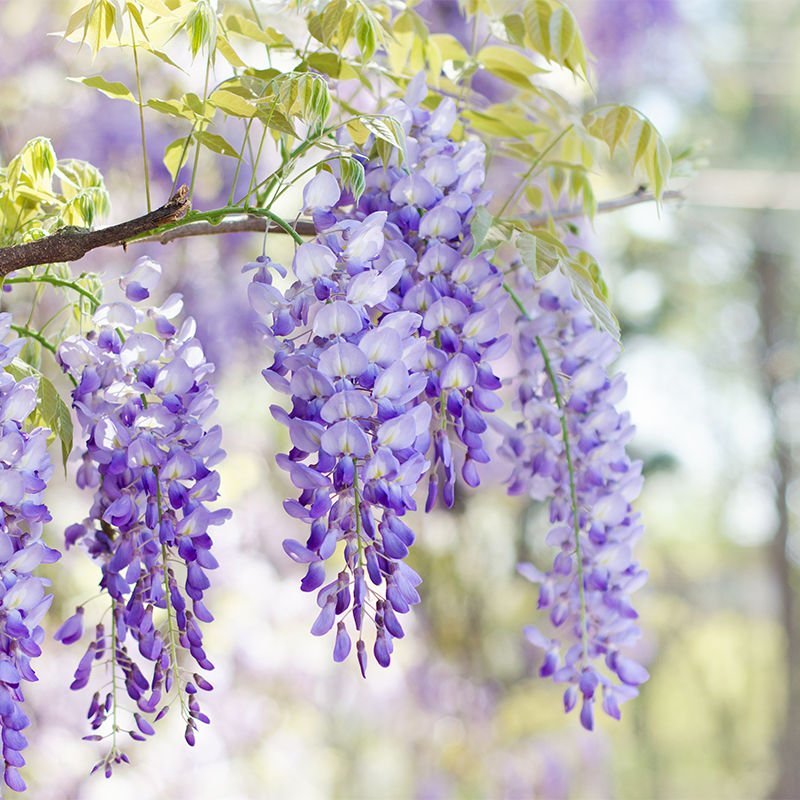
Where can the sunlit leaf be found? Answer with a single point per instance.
(113, 89)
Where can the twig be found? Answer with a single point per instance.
(634, 199)
(240, 223)
(243, 223)
(70, 244)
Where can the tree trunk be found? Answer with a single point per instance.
(773, 322)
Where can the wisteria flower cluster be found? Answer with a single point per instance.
(569, 449)
(144, 403)
(383, 343)
(25, 468)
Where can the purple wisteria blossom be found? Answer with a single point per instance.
(25, 468)
(587, 590)
(383, 343)
(144, 402)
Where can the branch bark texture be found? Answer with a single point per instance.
(69, 244)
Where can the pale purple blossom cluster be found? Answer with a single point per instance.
(144, 404)
(587, 590)
(25, 468)
(383, 343)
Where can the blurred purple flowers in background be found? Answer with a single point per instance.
(587, 589)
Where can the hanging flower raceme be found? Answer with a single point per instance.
(25, 468)
(565, 384)
(383, 343)
(144, 403)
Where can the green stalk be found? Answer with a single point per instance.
(245, 142)
(573, 495)
(205, 100)
(141, 113)
(54, 281)
(173, 634)
(114, 727)
(218, 214)
(31, 334)
(529, 172)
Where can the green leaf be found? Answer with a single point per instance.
(539, 251)
(232, 103)
(537, 25)
(563, 31)
(172, 108)
(509, 64)
(201, 25)
(175, 156)
(616, 125)
(113, 89)
(57, 416)
(228, 53)
(353, 176)
(160, 55)
(136, 16)
(216, 143)
(156, 6)
(236, 23)
(662, 167)
(482, 221)
(590, 289)
(100, 20)
(366, 36)
(388, 130)
(331, 19)
(514, 26)
(643, 137)
(51, 408)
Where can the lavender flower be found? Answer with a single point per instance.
(25, 468)
(383, 344)
(144, 402)
(587, 589)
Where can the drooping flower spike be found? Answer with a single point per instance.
(144, 403)
(569, 449)
(25, 468)
(383, 343)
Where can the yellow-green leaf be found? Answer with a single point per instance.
(509, 64)
(228, 53)
(537, 25)
(563, 31)
(175, 156)
(216, 143)
(113, 89)
(232, 103)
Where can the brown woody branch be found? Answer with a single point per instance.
(240, 223)
(634, 199)
(70, 244)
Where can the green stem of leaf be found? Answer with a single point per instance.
(29, 333)
(141, 114)
(197, 145)
(53, 281)
(512, 198)
(573, 495)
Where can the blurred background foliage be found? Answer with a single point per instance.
(706, 291)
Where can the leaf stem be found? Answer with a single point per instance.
(573, 494)
(53, 281)
(141, 112)
(197, 148)
(32, 334)
(529, 172)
